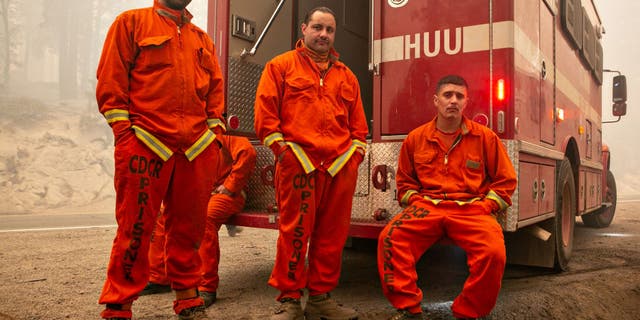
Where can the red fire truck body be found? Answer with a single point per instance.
(535, 73)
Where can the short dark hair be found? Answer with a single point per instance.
(307, 16)
(451, 79)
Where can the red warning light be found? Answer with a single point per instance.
(500, 90)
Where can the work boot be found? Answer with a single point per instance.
(193, 313)
(288, 309)
(209, 297)
(154, 288)
(114, 311)
(233, 230)
(323, 307)
(406, 315)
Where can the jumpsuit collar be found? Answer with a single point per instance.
(466, 127)
(301, 48)
(180, 17)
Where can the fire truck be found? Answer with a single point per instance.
(535, 73)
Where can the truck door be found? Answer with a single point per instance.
(535, 71)
(547, 74)
(418, 42)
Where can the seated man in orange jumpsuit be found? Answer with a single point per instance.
(237, 161)
(453, 176)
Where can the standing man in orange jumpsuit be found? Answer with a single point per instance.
(160, 89)
(309, 112)
(453, 176)
(237, 160)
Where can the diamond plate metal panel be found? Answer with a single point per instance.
(361, 199)
(380, 154)
(509, 219)
(243, 82)
(260, 196)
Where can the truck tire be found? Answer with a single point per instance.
(602, 217)
(565, 218)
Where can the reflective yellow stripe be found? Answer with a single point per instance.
(463, 202)
(270, 139)
(434, 201)
(337, 165)
(360, 144)
(407, 195)
(216, 123)
(459, 202)
(302, 157)
(114, 115)
(153, 143)
(202, 143)
(495, 197)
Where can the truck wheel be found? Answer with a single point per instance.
(602, 217)
(565, 218)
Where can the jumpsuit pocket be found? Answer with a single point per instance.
(424, 161)
(204, 68)
(473, 173)
(347, 100)
(155, 53)
(299, 89)
(348, 94)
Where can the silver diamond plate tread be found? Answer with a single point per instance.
(243, 82)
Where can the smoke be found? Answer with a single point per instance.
(56, 150)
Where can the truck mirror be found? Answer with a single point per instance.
(619, 109)
(619, 93)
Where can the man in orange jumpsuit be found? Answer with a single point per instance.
(160, 89)
(237, 160)
(453, 176)
(308, 110)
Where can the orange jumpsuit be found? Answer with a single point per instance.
(160, 88)
(237, 160)
(454, 192)
(321, 120)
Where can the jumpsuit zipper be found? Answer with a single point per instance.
(323, 74)
(446, 155)
(181, 123)
(179, 37)
(446, 158)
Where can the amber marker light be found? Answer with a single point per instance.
(500, 94)
(560, 114)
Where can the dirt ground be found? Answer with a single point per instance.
(59, 274)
